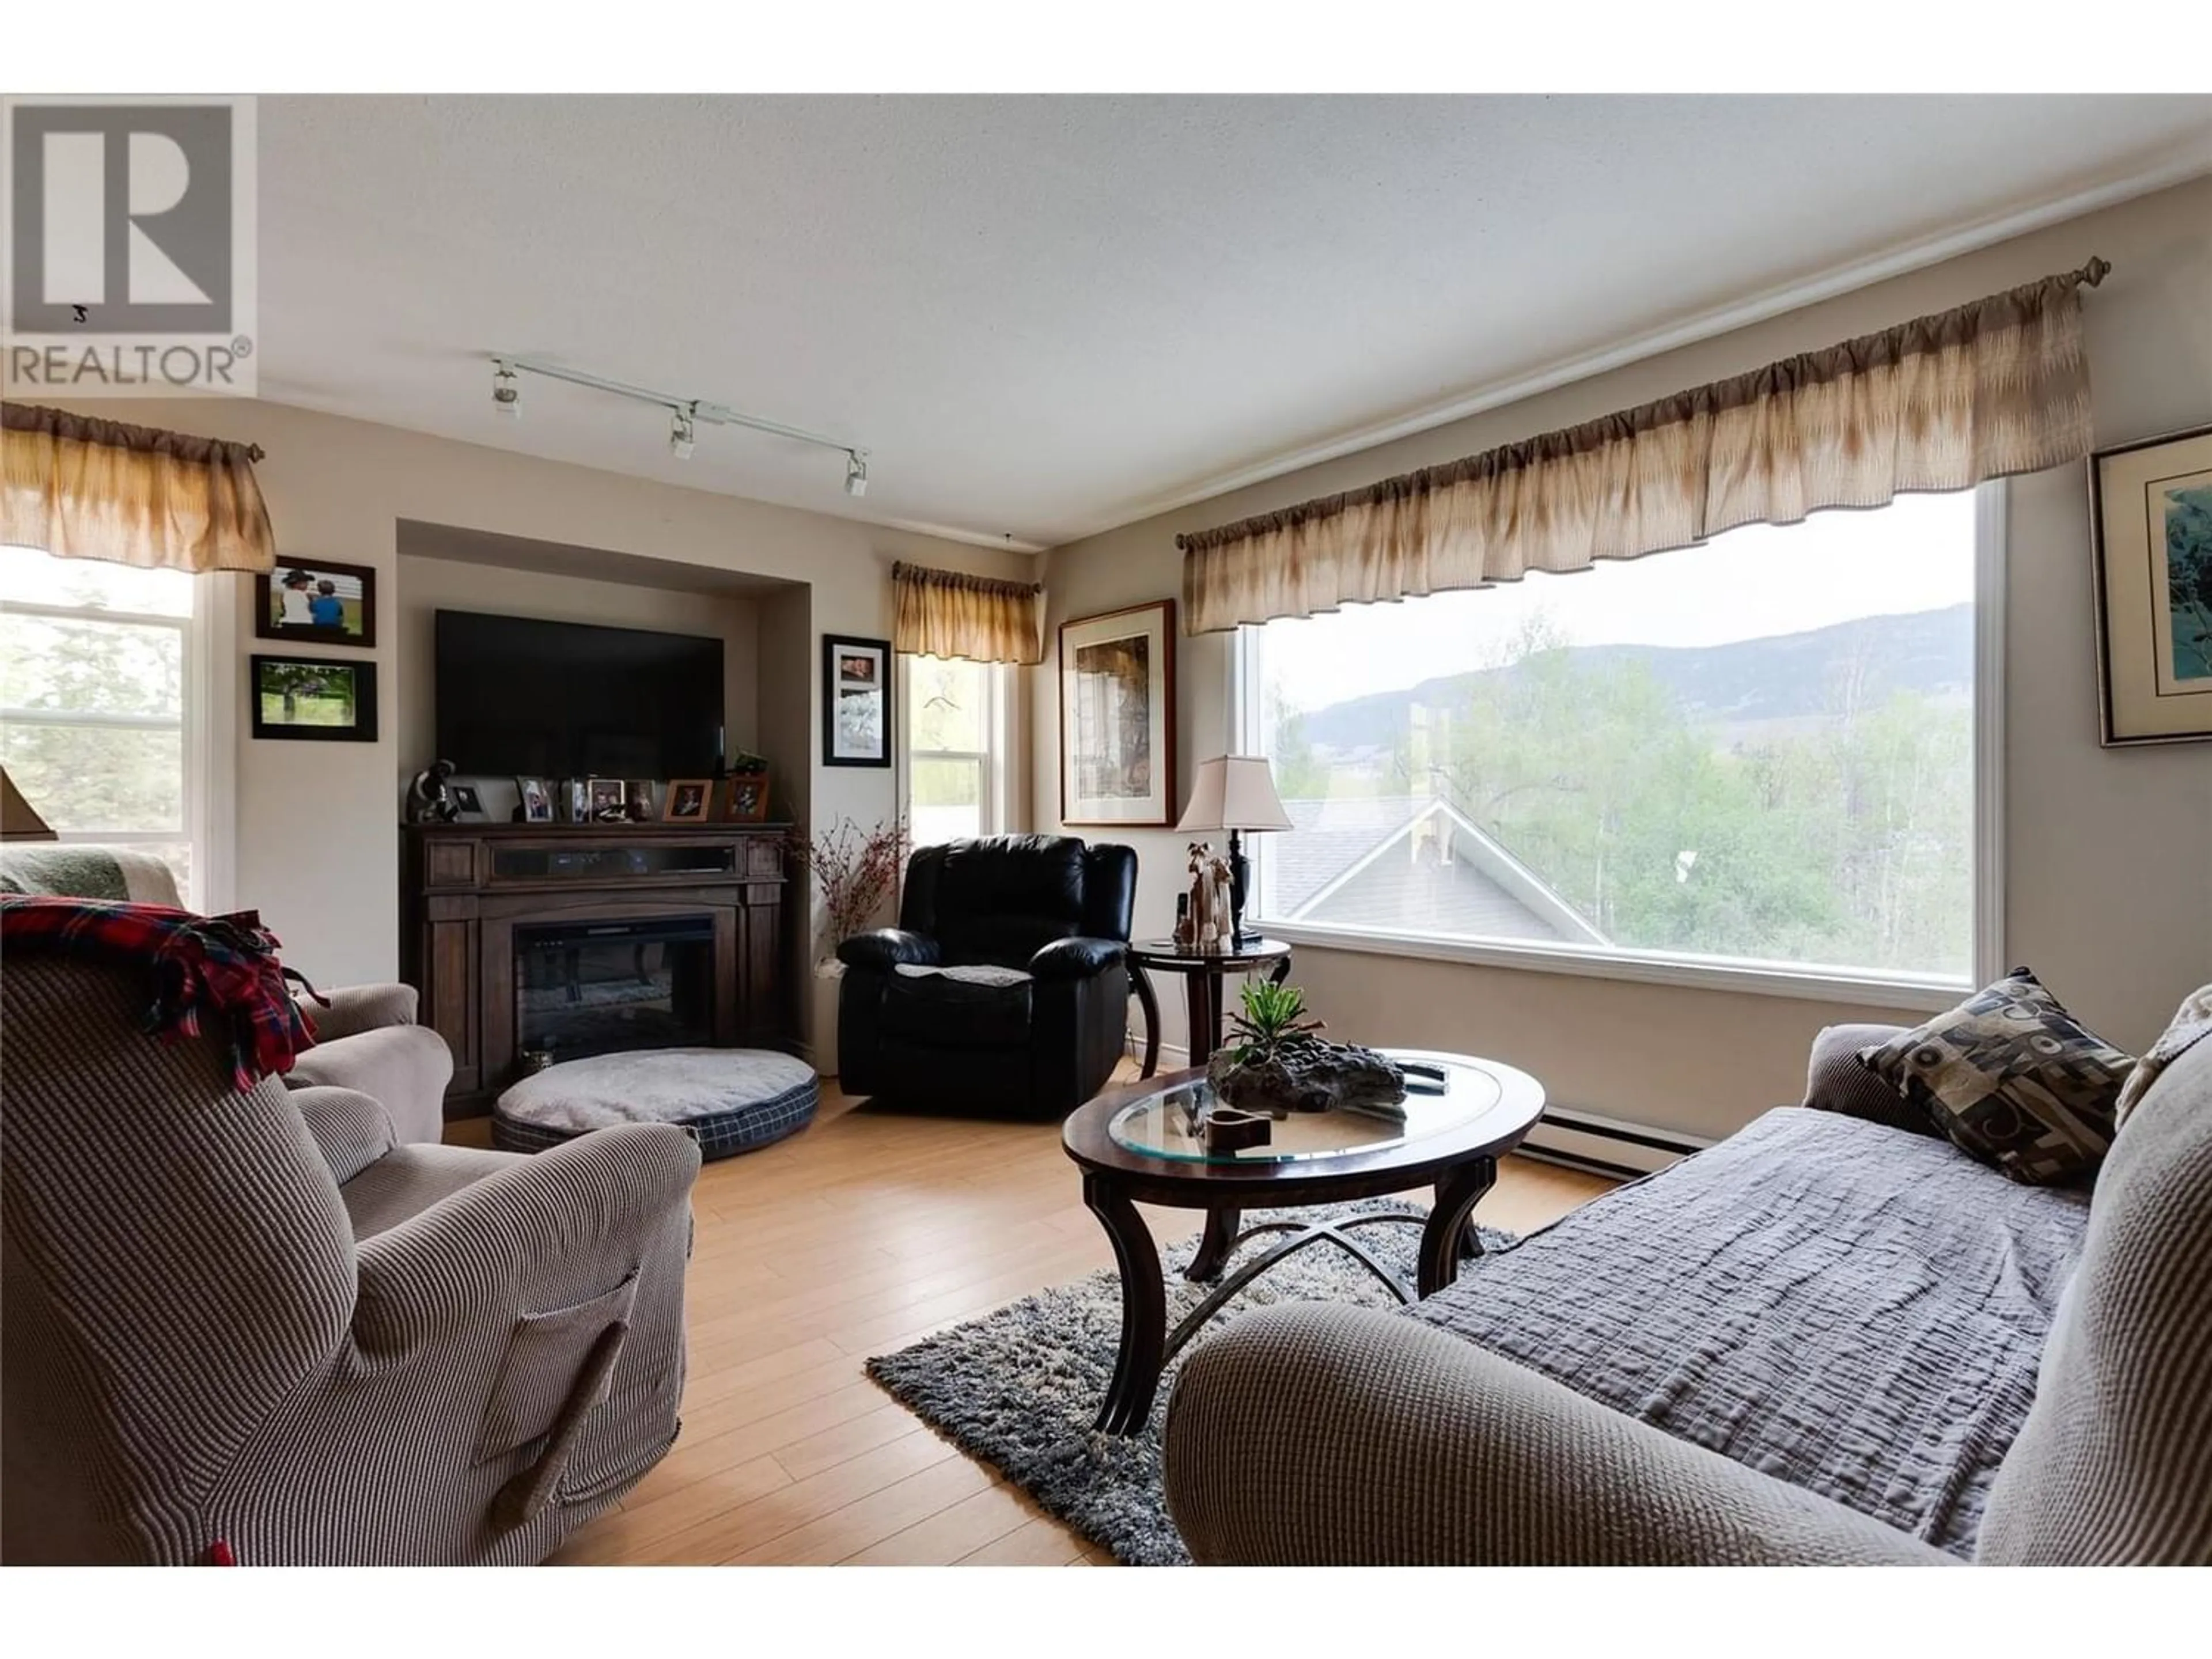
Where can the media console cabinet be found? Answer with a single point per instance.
(558, 940)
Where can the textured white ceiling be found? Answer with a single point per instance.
(1046, 316)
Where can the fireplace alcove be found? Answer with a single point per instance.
(592, 938)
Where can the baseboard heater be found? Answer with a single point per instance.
(1605, 1145)
(1580, 1140)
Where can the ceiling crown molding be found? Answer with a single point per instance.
(2175, 166)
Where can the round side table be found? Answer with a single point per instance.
(1204, 973)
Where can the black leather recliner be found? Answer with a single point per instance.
(1037, 1041)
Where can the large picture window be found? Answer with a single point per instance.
(95, 701)
(1757, 753)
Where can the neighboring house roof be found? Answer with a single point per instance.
(1379, 860)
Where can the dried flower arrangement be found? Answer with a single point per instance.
(856, 869)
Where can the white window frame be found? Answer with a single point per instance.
(1810, 982)
(1001, 723)
(208, 647)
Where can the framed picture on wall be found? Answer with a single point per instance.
(313, 700)
(856, 702)
(316, 603)
(1117, 717)
(2150, 510)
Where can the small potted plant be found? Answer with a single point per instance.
(856, 870)
(1275, 1062)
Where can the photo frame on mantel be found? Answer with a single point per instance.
(2150, 510)
(1117, 717)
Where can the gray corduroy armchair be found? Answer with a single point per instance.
(249, 1321)
(366, 1035)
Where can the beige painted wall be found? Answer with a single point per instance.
(2109, 853)
(428, 586)
(318, 840)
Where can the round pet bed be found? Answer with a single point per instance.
(734, 1100)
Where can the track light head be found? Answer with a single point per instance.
(681, 435)
(506, 389)
(856, 473)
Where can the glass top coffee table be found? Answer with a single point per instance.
(1144, 1144)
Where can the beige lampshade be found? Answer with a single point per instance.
(1234, 791)
(19, 819)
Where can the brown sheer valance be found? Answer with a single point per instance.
(1942, 402)
(943, 613)
(89, 488)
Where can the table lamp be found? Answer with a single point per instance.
(1235, 793)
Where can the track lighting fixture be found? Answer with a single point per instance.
(685, 413)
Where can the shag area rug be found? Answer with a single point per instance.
(1020, 1387)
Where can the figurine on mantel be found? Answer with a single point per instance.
(429, 798)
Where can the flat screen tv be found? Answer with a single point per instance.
(564, 700)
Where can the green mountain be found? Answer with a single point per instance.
(1743, 685)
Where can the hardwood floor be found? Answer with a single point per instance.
(864, 1233)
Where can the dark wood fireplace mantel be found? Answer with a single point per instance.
(465, 888)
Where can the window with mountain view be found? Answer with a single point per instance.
(1757, 751)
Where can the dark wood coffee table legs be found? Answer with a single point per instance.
(1447, 1235)
(1143, 1308)
(1214, 1245)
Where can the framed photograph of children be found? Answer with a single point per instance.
(316, 603)
(608, 798)
(748, 798)
(537, 795)
(311, 699)
(689, 800)
(2150, 510)
(856, 702)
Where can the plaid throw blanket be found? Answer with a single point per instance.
(222, 970)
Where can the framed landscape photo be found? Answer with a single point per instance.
(2150, 510)
(316, 603)
(856, 702)
(1117, 717)
(311, 699)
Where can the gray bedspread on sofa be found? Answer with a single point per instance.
(1851, 1307)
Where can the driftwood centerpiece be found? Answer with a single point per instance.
(1276, 1064)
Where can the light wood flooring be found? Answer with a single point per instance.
(864, 1233)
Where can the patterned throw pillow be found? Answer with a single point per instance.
(2013, 1080)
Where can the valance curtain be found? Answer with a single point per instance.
(87, 489)
(942, 613)
(1942, 402)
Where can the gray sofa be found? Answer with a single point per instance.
(1834, 1338)
(366, 1035)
